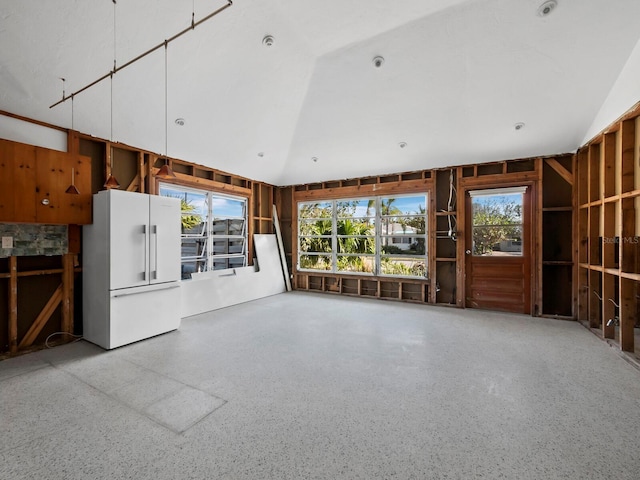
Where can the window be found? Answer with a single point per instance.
(214, 229)
(497, 221)
(375, 236)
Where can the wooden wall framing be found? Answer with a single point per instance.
(136, 170)
(48, 313)
(607, 240)
(445, 285)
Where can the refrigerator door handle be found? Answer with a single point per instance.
(146, 252)
(154, 273)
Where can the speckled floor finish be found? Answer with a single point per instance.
(307, 385)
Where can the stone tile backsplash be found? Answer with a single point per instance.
(31, 239)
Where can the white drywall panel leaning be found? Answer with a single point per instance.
(222, 288)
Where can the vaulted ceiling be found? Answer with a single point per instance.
(457, 76)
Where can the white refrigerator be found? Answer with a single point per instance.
(130, 268)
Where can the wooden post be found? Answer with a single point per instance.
(608, 308)
(13, 304)
(67, 293)
(142, 172)
(627, 314)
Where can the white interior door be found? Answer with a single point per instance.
(129, 239)
(164, 248)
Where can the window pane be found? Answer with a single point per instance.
(356, 263)
(315, 262)
(356, 226)
(225, 246)
(361, 207)
(225, 207)
(318, 245)
(408, 267)
(403, 205)
(315, 210)
(357, 245)
(347, 229)
(497, 225)
(209, 219)
(403, 245)
(316, 227)
(194, 248)
(227, 227)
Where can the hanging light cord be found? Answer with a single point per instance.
(142, 55)
(114, 36)
(166, 152)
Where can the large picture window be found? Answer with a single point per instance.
(375, 236)
(214, 229)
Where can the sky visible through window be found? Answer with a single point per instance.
(222, 207)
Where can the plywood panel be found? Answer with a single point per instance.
(53, 177)
(17, 182)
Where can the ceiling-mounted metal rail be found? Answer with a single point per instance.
(141, 56)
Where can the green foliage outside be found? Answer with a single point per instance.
(495, 220)
(357, 236)
(188, 218)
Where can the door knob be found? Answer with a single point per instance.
(468, 252)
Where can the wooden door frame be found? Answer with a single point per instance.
(528, 179)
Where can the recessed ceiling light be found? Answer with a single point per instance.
(180, 121)
(268, 40)
(378, 61)
(402, 144)
(314, 159)
(519, 126)
(547, 7)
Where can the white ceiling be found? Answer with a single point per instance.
(458, 75)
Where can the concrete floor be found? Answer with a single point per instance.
(306, 385)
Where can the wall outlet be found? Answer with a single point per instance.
(7, 242)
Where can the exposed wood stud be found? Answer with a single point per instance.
(67, 293)
(559, 168)
(13, 304)
(43, 318)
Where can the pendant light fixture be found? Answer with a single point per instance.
(111, 180)
(165, 171)
(73, 190)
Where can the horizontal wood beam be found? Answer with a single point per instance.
(183, 179)
(34, 273)
(402, 186)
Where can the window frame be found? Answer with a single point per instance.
(210, 257)
(377, 237)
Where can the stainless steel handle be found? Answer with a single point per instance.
(146, 253)
(468, 252)
(154, 274)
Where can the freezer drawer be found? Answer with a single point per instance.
(136, 314)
